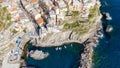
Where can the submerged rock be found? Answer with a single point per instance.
(109, 28)
(38, 55)
(107, 16)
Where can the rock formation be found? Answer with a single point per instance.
(38, 55)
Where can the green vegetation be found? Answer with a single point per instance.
(93, 12)
(14, 31)
(1, 26)
(24, 31)
(81, 25)
(91, 16)
(71, 26)
(72, 13)
(68, 13)
(5, 18)
(76, 27)
(75, 13)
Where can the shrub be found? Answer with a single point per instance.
(75, 13)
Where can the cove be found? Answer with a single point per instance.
(68, 57)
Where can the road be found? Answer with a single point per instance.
(35, 24)
(5, 63)
(9, 61)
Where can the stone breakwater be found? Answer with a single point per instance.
(89, 44)
(86, 56)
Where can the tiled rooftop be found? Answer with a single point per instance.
(40, 21)
(1, 1)
(33, 1)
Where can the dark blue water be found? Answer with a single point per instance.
(66, 58)
(107, 54)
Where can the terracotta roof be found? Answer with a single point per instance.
(40, 21)
(52, 4)
(1, 1)
(33, 1)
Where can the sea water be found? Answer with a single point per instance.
(107, 53)
(68, 56)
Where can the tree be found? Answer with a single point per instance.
(5, 18)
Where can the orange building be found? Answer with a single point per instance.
(1, 1)
(40, 21)
(33, 1)
(51, 4)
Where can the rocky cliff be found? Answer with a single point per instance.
(70, 35)
(88, 39)
(56, 39)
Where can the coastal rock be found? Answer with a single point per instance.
(57, 39)
(86, 56)
(109, 28)
(69, 36)
(38, 55)
(107, 16)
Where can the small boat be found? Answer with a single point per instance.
(56, 48)
(65, 47)
(109, 28)
(60, 48)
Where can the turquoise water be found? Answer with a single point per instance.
(107, 53)
(66, 58)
